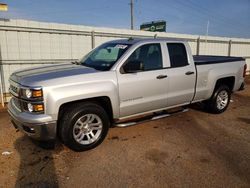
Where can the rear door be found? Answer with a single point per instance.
(145, 90)
(181, 75)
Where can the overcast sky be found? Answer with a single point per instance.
(229, 18)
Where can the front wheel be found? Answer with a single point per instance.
(219, 101)
(84, 126)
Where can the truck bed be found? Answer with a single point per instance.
(207, 59)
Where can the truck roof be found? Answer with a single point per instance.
(137, 40)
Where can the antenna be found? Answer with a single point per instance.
(130, 38)
(207, 30)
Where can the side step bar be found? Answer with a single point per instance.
(155, 116)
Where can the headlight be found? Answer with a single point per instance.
(32, 93)
(28, 93)
(35, 107)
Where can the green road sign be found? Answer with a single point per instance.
(159, 26)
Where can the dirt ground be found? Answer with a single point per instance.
(190, 149)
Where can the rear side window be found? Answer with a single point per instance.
(178, 55)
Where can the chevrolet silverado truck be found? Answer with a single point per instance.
(116, 83)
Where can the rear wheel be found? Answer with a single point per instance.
(219, 101)
(84, 126)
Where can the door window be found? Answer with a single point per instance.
(149, 55)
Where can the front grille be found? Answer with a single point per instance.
(14, 90)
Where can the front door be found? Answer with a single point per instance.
(145, 90)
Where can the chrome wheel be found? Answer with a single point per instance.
(87, 129)
(222, 99)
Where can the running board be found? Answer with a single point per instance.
(155, 116)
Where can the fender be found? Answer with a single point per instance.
(58, 96)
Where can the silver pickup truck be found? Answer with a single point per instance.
(115, 84)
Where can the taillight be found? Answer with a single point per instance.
(245, 70)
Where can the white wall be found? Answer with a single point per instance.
(23, 41)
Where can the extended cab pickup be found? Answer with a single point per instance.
(116, 82)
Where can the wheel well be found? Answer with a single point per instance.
(228, 81)
(102, 101)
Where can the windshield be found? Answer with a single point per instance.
(105, 56)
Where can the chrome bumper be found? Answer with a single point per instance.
(40, 127)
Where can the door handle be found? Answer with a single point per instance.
(161, 76)
(189, 73)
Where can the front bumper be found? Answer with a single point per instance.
(40, 127)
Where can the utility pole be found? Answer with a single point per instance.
(132, 13)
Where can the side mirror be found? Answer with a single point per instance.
(133, 66)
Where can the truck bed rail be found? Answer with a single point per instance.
(205, 59)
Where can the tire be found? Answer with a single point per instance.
(219, 101)
(84, 126)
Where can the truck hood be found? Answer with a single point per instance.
(36, 75)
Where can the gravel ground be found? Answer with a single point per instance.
(190, 149)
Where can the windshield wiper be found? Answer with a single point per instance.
(90, 66)
(76, 62)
